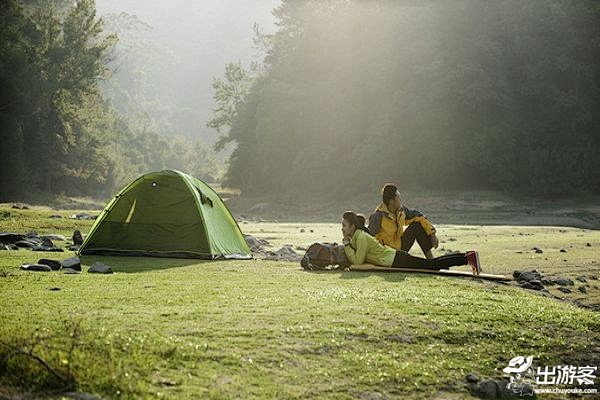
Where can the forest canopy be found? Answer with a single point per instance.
(64, 129)
(466, 94)
(347, 95)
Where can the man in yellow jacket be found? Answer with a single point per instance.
(388, 221)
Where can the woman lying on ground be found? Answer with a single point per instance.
(361, 247)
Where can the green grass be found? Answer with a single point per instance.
(167, 328)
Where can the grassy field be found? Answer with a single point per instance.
(167, 328)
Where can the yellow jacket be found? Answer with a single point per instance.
(388, 228)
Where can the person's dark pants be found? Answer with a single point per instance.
(416, 232)
(405, 260)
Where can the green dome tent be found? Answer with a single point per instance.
(166, 214)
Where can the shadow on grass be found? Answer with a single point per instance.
(140, 264)
(389, 276)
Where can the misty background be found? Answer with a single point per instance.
(299, 98)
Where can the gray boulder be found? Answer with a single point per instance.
(10, 238)
(472, 378)
(55, 265)
(46, 245)
(100, 268)
(255, 243)
(77, 238)
(564, 282)
(83, 216)
(36, 267)
(26, 244)
(55, 237)
(528, 276)
(72, 263)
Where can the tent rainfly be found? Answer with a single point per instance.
(166, 214)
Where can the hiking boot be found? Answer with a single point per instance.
(473, 261)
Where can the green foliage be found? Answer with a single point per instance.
(54, 111)
(488, 95)
(59, 133)
(230, 93)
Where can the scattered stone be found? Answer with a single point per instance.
(528, 276)
(563, 250)
(54, 289)
(83, 216)
(287, 251)
(312, 231)
(36, 267)
(491, 389)
(46, 245)
(564, 282)
(537, 250)
(72, 263)
(526, 285)
(55, 216)
(255, 244)
(70, 271)
(100, 268)
(472, 378)
(56, 237)
(20, 206)
(588, 244)
(548, 282)
(55, 265)
(516, 274)
(77, 238)
(582, 289)
(581, 278)
(564, 289)
(25, 244)
(10, 238)
(536, 284)
(302, 230)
